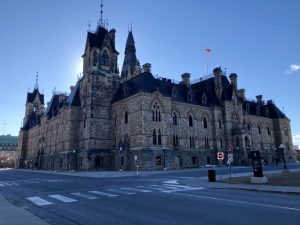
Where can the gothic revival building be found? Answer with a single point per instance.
(114, 121)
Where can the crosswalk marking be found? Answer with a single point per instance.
(62, 198)
(136, 189)
(39, 201)
(158, 187)
(103, 193)
(186, 189)
(121, 192)
(84, 195)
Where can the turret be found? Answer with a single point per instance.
(218, 82)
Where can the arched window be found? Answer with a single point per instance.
(247, 143)
(235, 121)
(126, 117)
(190, 121)
(159, 137)
(156, 112)
(115, 121)
(248, 126)
(174, 118)
(192, 142)
(220, 124)
(204, 122)
(158, 160)
(206, 142)
(175, 140)
(259, 129)
(268, 129)
(104, 59)
(94, 58)
(154, 137)
(221, 142)
(237, 142)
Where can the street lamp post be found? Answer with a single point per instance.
(136, 165)
(121, 157)
(211, 155)
(281, 148)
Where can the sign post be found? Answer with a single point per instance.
(137, 167)
(230, 159)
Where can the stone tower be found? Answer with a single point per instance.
(97, 87)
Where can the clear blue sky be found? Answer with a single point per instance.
(258, 39)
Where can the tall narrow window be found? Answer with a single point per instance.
(220, 124)
(159, 137)
(104, 58)
(221, 143)
(126, 117)
(94, 58)
(204, 122)
(259, 129)
(190, 121)
(174, 118)
(268, 128)
(154, 137)
(156, 116)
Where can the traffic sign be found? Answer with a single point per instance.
(229, 148)
(220, 155)
(230, 157)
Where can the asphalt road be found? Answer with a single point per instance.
(144, 199)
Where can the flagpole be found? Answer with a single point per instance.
(206, 53)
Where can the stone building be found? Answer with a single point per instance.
(8, 151)
(117, 121)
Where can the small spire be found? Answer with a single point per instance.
(36, 86)
(101, 23)
(89, 26)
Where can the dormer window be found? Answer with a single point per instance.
(125, 90)
(190, 96)
(267, 112)
(174, 92)
(257, 110)
(204, 99)
(247, 107)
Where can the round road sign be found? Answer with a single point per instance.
(220, 155)
(229, 149)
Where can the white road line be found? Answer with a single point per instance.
(158, 187)
(241, 202)
(7, 184)
(136, 189)
(121, 192)
(171, 182)
(84, 195)
(103, 193)
(2, 185)
(177, 185)
(185, 189)
(38, 201)
(62, 198)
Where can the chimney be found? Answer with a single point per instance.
(269, 102)
(233, 80)
(241, 93)
(112, 35)
(186, 79)
(147, 67)
(259, 99)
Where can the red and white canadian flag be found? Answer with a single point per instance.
(208, 50)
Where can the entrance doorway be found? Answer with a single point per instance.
(99, 162)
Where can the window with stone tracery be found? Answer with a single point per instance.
(156, 115)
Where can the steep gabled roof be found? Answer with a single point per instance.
(95, 40)
(31, 96)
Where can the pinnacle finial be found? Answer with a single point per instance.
(36, 86)
(101, 23)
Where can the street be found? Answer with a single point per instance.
(144, 199)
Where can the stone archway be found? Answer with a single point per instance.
(99, 162)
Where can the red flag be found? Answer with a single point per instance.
(208, 50)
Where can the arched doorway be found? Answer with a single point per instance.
(99, 162)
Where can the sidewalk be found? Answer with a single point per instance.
(203, 182)
(13, 215)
